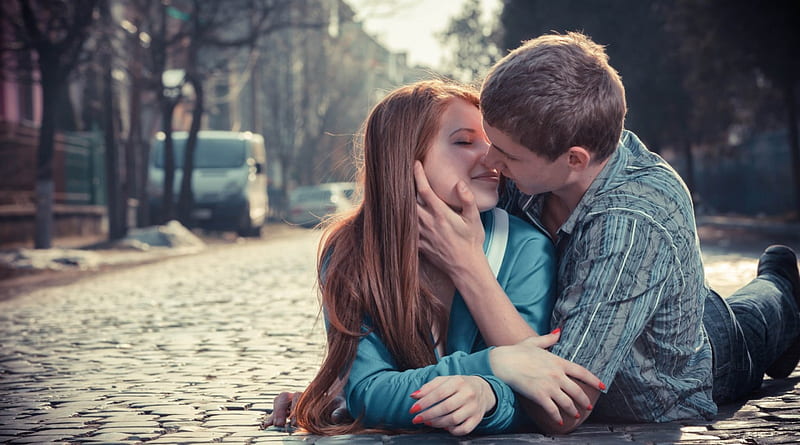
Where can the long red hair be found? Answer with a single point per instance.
(371, 257)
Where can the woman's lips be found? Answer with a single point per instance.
(488, 176)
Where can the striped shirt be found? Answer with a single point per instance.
(631, 289)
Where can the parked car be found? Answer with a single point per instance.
(308, 205)
(229, 180)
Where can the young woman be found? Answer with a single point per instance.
(397, 327)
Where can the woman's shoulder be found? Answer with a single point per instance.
(521, 234)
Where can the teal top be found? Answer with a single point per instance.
(377, 390)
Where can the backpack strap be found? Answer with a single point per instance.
(498, 239)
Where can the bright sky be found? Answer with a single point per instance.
(412, 25)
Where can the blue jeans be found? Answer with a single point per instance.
(748, 331)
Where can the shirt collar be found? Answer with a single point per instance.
(617, 162)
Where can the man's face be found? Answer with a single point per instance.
(532, 174)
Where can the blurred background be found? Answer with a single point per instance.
(90, 88)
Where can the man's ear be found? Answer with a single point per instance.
(578, 158)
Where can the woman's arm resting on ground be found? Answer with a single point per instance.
(562, 393)
(461, 402)
(380, 392)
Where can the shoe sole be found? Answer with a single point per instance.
(787, 362)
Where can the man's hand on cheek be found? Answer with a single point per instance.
(448, 238)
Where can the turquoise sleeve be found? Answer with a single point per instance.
(528, 274)
(380, 393)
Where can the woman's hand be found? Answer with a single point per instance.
(546, 379)
(455, 403)
(282, 407)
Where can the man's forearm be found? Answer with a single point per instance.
(498, 320)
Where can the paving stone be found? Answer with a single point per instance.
(189, 351)
(189, 437)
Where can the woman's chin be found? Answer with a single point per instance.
(484, 205)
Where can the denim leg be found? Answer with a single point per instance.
(748, 331)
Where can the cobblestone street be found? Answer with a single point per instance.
(193, 350)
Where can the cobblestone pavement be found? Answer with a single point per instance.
(193, 350)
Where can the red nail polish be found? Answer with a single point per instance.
(415, 409)
(560, 423)
(556, 331)
(428, 424)
(602, 386)
(577, 415)
(418, 420)
(415, 394)
(589, 408)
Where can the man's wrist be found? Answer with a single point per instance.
(470, 271)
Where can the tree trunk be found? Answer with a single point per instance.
(115, 199)
(186, 197)
(794, 142)
(51, 86)
(134, 165)
(168, 197)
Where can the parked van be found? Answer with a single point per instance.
(229, 180)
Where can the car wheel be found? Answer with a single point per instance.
(246, 227)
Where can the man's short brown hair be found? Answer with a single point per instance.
(555, 92)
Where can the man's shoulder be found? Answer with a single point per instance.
(648, 189)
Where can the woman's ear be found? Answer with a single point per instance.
(578, 158)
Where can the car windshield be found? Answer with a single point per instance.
(210, 153)
(311, 194)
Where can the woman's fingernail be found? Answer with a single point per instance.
(556, 331)
(415, 393)
(417, 420)
(560, 423)
(427, 423)
(415, 409)
(602, 386)
(577, 415)
(589, 408)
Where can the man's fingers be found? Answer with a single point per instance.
(280, 408)
(424, 191)
(469, 207)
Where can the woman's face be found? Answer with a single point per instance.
(455, 155)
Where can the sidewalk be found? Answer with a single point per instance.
(193, 349)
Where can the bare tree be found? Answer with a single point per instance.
(318, 85)
(55, 32)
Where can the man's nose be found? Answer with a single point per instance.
(490, 161)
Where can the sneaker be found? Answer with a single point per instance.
(782, 261)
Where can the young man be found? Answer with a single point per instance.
(633, 305)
